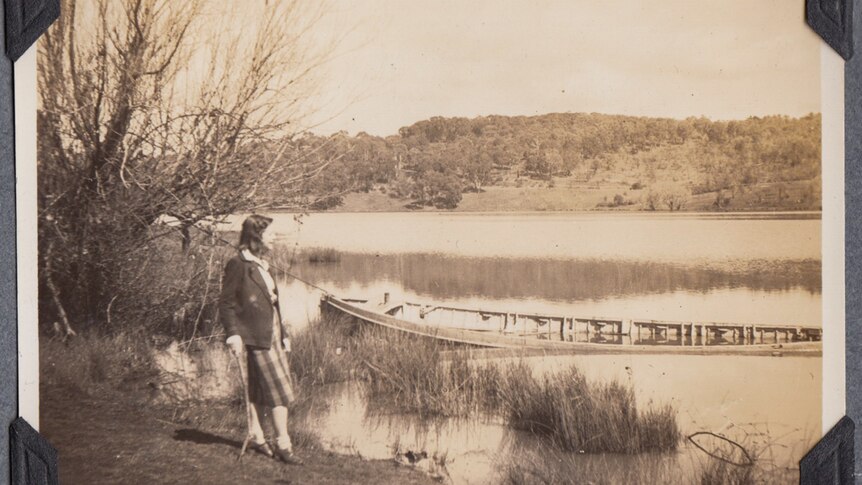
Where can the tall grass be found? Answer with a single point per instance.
(92, 363)
(423, 376)
(578, 415)
(427, 377)
(314, 359)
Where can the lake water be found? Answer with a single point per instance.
(737, 397)
(746, 268)
(757, 268)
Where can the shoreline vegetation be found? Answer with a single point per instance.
(398, 374)
(160, 349)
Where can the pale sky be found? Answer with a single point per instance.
(405, 61)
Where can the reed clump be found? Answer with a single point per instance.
(322, 255)
(432, 378)
(315, 359)
(421, 376)
(583, 416)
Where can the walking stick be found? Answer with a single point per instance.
(247, 407)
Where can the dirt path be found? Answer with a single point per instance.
(109, 442)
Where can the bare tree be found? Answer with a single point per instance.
(674, 196)
(158, 107)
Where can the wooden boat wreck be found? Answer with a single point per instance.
(496, 329)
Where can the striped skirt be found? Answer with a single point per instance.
(269, 381)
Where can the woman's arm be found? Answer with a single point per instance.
(228, 300)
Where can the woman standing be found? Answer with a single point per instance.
(252, 320)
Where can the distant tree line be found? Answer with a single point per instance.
(432, 162)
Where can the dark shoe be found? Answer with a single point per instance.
(262, 448)
(288, 457)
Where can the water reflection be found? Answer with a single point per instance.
(449, 276)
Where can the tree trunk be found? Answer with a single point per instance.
(187, 238)
(65, 331)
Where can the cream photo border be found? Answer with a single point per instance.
(832, 109)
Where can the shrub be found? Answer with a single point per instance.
(672, 197)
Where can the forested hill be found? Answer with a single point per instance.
(571, 161)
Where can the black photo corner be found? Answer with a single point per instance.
(28, 458)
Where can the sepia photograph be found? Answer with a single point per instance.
(475, 242)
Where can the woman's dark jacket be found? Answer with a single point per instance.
(245, 307)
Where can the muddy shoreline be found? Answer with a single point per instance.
(126, 441)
